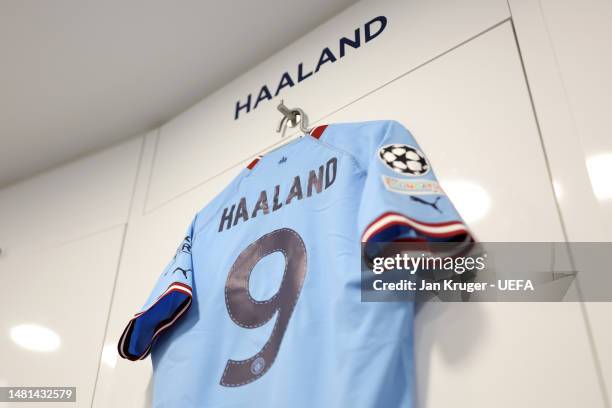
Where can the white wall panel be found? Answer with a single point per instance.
(581, 212)
(601, 332)
(80, 198)
(470, 111)
(565, 48)
(206, 139)
(67, 289)
(504, 355)
(580, 35)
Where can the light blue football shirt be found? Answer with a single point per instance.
(261, 305)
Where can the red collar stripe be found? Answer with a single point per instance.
(318, 131)
(253, 163)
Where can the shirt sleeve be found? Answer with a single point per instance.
(402, 200)
(170, 299)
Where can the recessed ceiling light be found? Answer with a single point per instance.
(558, 189)
(109, 355)
(35, 337)
(600, 169)
(469, 198)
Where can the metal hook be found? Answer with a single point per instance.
(292, 117)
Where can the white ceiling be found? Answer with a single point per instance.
(78, 75)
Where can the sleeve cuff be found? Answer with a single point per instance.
(391, 227)
(142, 330)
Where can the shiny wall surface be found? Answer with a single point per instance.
(62, 234)
(488, 89)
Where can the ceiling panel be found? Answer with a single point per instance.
(79, 75)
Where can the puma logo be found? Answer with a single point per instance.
(282, 160)
(433, 205)
(182, 270)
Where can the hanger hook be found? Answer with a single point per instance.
(292, 117)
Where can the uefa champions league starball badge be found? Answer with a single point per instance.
(404, 159)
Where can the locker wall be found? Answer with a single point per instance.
(563, 45)
(481, 86)
(61, 235)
